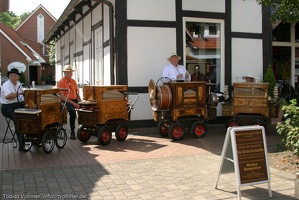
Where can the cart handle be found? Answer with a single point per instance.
(132, 93)
(67, 97)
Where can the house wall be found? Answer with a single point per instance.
(145, 37)
(7, 58)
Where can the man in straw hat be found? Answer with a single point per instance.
(249, 78)
(12, 97)
(174, 71)
(72, 102)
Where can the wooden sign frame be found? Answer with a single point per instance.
(245, 150)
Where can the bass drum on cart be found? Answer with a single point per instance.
(160, 96)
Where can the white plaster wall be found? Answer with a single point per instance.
(204, 5)
(246, 16)
(107, 79)
(96, 15)
(148, 49)
(79, 37)
(159, 10)
(247, 57)
(142, 108)
(148, 63)
(87, 28)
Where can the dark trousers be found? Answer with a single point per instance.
(8, 111)
(72, 112)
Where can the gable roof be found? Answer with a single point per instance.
(19, 43)
(33, 12)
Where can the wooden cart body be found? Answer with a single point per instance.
(187, 99)
(110, 101)
(250, 98)
(42, 109)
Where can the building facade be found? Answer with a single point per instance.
(127, 42)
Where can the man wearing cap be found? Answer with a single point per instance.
(174, 71)
(72, 102)
(12, 97)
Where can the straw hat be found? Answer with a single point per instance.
(14, 71)
(249, 76)
(174, 55)
(68, 68)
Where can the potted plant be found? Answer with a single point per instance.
(43, 79)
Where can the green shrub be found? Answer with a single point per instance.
(270, 78)
(289, 129)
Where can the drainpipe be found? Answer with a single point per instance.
(111, 33)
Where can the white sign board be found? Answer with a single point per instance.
(245, 147)
(19, 65)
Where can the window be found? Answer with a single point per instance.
(204, 47)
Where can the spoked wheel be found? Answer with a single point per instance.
(260, 122)
(162, 129)
(25, 145)
(176, 132)
(198, 129)
(233, 122)
(121, 132)
(60, 138)
(82, 134)
(104, 135)
(48, 141)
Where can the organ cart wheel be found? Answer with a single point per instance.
(60, 138)
(82, 134)
(162, 128)
(176, 131)
(48, 141)
(25, 144)
(260, 122)
(198, 129)
(104, 135)
(121, 132)
(233, 122)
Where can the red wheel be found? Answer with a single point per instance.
(233, 122)
(259, 122)
(176, 132)
(82, 134)
(104, 135)
(121, 132)
(198, 129)
(162, 128)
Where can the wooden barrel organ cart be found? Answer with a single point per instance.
(177, 105)
(104, 109)
(42, 119)
(249, 105)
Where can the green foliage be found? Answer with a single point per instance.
(289, 129)
(270, 78)
(51, 52)
(11, 19)
(43, 78)
(283, 10)
(8, 18)
(22, 78)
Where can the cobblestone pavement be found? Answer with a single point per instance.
(145, 166)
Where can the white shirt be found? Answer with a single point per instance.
(7, 88)
(170, 71)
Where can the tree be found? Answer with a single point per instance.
(51, 52)
(283, 10)
(11, 19)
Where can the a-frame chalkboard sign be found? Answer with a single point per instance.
(245, 152)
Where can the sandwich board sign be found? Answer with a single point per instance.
(245, 152)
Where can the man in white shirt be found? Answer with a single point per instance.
(174, 71)
(12, 96)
